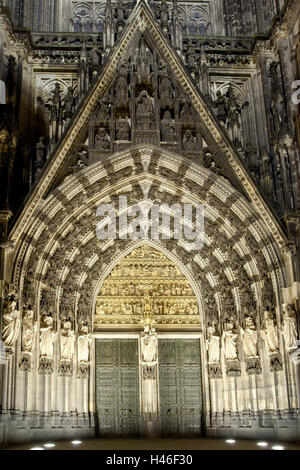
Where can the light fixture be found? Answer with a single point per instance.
(277, 447)
(262, 444)
(37, 448)
(49, 445)
(76, 443)
(230, 441)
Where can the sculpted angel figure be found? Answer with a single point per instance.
(149, 345)
(249, 335)
(84, 342)
(229, 339)
(289, 328)
(67, 342)
(29, 328)
(47, 337)
(269, 332)
(213, 343)
(11, 322)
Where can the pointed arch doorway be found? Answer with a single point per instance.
(147, 288)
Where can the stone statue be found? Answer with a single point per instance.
(102, 140)
(167, 128)
(269, 332)
(289, 329)
(67, 342)
(165, 90)
(249, 335)
(220, 104)
(149, 345)
(40, 152)
(11, 322)
(84, 342)
(188, 142)
(229, 340)
(213, 343)
(121, 88)
(56, 103)
(69, 102)
(122, 129)
(47, 337)
(29, 328)
(144, 105)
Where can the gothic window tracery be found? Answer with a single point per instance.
(88, 17)
(194, 20)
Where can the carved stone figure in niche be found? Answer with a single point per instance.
(40, 152)
(229, 340)
(56, 103)
(249, 335)
(220, 104)
(11, 322)
(121, 88)
(69, 102)
(233, 117)
(289, 329)
(188, 142)
(143, 64)
(265, 173)
(186, 114)
(278, 106)
(120, 11)
(94, 59)
(67, 342)
(122, 129)
(47, 337)
(103, 111)
(145, 105)
(149, 345)
(251, 158)
(213, 343)
(102, 141)
(144, 112)
(270, 333)
(167, 128)
(84, 343)
(29, 328)
(165, 89)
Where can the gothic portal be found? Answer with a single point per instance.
(161, 108)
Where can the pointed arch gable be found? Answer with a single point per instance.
(142, 20)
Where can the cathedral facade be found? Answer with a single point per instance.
(126, 124)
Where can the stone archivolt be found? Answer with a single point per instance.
(64, 257)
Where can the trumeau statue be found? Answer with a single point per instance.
(67, 342)
(249, 335)
(29, 328)
(84, 342)
(11, 323)
(269, 332)
(229, 340)
(213, 343)
(47, 337)
(289, 328)
(149, 345)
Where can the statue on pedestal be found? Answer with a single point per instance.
(11, 322)
(289, 329)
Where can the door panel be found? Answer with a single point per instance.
(180, 386)
(117, 387)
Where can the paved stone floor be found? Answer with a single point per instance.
(157, 444)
